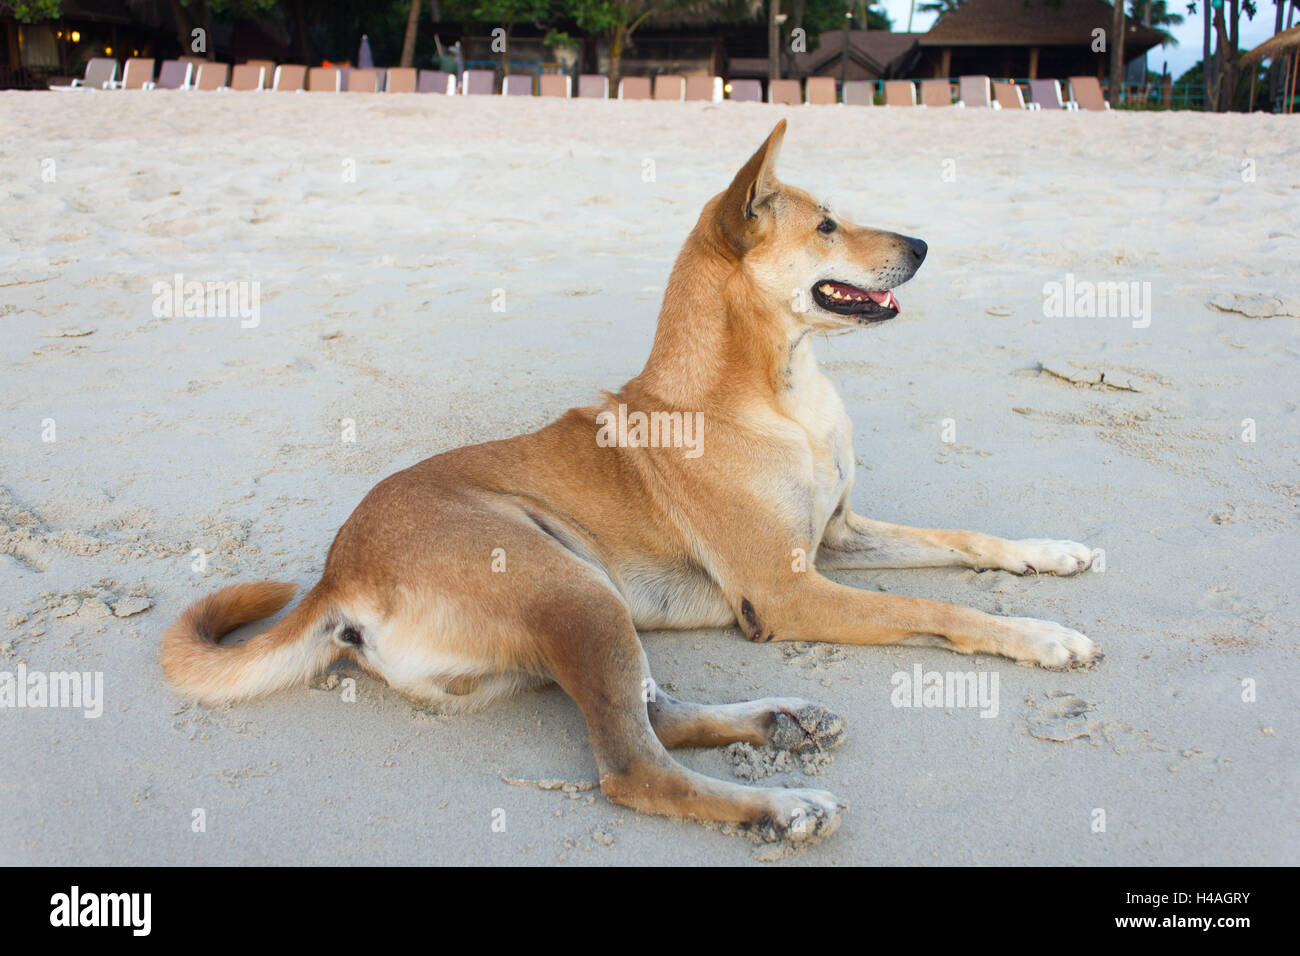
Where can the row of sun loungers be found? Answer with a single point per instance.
(978, 92)
(101, 73)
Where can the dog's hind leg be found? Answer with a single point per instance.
(586, 641)
(852, 542)
(787, 723)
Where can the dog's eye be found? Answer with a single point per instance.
(827, 227)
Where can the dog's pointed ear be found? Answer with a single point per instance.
(742, 204)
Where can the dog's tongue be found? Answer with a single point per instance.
(885, 298)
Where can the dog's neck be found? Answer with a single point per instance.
(716, 343)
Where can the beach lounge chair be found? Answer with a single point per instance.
(247, 77)
(138, 72)
(517, 84)
(1047, 94)
(785, 92)
(363, 81)
(746, 91)
(669, 86)
(437, 81)
(1086, 93)
(859, 93)
(1008, 96)
(100, 72)
(173, 75)
(478, 82)
(268, 68)
(975, 92)
(593, 87)
(935, 93)
(703, 89)
(212, 76)
(634, 88)
(401, 79)
(289, 78)
(820, 91)
(324, 79)
(555, 84)
(900, 93)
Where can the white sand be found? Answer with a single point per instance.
(182, 433)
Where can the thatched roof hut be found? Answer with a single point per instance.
(1279, 48)
(1284, 44)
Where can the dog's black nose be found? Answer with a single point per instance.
(918, 250)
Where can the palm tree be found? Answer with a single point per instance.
(1156, 14)
(1115, 91)
(618, 20)
(408, 42)
(941, 7)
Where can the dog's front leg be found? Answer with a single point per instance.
(854, 542)
(809, 607)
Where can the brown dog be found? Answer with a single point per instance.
(712, 489)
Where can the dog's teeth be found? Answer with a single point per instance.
(827, 288)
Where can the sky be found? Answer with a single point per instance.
(1181, 57)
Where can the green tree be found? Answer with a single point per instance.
(1224, 73)
(941, 7)
(823, 16)
(506, 14)
(191, 15)
(1191, 83)
(1155, 14)
(33, 11)
(616, 20)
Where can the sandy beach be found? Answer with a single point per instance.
(430, 272)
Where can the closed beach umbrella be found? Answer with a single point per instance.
(364, 58)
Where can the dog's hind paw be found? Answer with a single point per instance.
(805, 728)
(800, 816)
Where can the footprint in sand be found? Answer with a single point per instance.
(1059, 717)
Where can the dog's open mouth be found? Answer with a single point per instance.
(864, 304)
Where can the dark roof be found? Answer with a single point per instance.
(1034, 23)
(878, 49)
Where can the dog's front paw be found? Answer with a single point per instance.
(797, 816)
(1044, 556)
(805, 727)
(1049, 644)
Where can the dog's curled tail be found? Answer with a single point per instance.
(288, 653)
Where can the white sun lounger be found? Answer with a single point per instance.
(101, 71)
